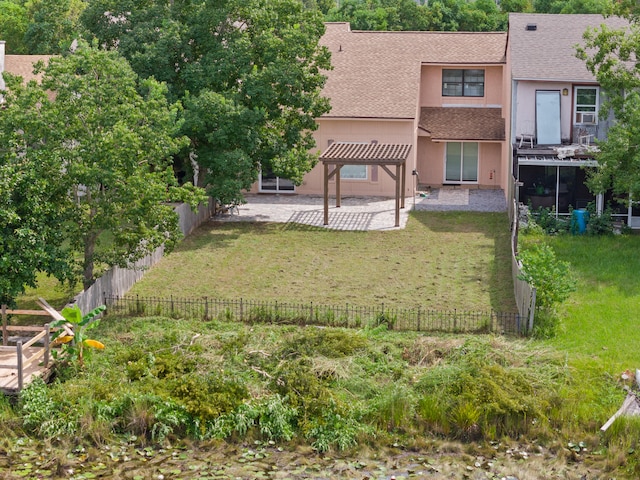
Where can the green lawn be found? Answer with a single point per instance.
(452, 260)
(603, 316)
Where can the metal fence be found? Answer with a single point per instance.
(353, 316)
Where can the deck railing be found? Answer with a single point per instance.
(40, 334)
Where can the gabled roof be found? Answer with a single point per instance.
(377, 74)
(462, 123)
(22, 65)
(547, 50)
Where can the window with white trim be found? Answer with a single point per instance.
(586, 105)
(462, 82)
(461, 162)
(353, 172)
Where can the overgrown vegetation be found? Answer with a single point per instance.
(163, 380)
(332, 388)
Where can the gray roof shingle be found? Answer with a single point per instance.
(549, 51)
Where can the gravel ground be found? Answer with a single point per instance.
(361, 213)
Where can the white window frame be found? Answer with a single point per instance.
(279, 189)
(585, 117)
(354, 172)
(460, 178)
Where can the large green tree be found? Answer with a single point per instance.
(52, 26)
(249, 74)
(31, 189)
(13, 25)
(108, 140)
(612, 55)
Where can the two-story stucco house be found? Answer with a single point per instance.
(444, 95)
(556, 112)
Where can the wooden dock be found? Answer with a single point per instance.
(25, 352)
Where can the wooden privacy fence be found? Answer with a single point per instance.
(354, 316)
(524, 292)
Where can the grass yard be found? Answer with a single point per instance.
(442, 260)
(476, 397)
(602, 319)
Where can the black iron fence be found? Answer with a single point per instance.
(353, 316)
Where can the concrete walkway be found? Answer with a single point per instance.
(360, 213)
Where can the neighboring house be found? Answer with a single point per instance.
(556, 112)
(21, 65)
(446, 95)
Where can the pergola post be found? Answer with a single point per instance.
(326, 194)
(383, 155)
(398, 182)
(337, 171)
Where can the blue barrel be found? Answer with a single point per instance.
(581, 218)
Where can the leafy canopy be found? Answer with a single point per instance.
(249, 74)
(106, 141)
(612, 55)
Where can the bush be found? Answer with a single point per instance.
(551, 277)
(546, 219)
(333, 428)
(42, 415)
(599, 224)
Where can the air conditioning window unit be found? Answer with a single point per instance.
(588, 118)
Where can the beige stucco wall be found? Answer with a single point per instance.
(431, 87)
(491, 167)
(525, 106)
(361, 130)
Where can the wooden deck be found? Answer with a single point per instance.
(32, 366)
(27, 354)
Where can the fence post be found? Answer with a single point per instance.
(5, 333)
(19, 353)
(171, 298)
(241, 310)
(532, 309)
(206, 308)
(418, 318)
(47, 345)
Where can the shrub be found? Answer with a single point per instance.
(206, 397)
(393, 409)
(276, 418)
(333, 428)
(551, 277)
(599, 224)
(43, 416)
(546, 219)
(328, 342)
(432, 410)
(464, 418)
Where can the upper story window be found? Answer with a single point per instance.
(586, 105)
(462, 83)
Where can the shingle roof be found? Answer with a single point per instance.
(548, 52)
(463, 123)
(377, 74)
(23, 65)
